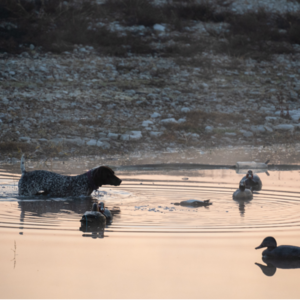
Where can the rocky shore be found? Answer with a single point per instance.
(81, 102)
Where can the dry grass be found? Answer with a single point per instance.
(10, 147)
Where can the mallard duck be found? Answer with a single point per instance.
(252, 181)
(103, 210)
(242, 193)
(280, 251)
(93, 217)
(194, 203)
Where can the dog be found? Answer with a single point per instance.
(42, 182)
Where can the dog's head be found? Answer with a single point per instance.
(105, 175)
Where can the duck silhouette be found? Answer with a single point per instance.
(252, 181)
(194, 203)
(242, 193)
(286, 252)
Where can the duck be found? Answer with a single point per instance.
(242, 193)
(93, 217)
(252, 181)
(103, 210)
(194, 203)
(286, 252)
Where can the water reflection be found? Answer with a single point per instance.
(275, 263)
(93, 231)
(242, 206)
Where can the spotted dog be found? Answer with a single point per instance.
(42, 182)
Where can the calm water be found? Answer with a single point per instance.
(152, 249)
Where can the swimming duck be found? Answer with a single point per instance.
(283, 251)
(194, 203)
(252, 181)
(242, 193)
(93, 217)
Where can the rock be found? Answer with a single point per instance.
(169, 121)
(103, 144)
(268, 128)
(155, 115)
(285, 127)
(135, 135)
(258, 128)
(271, 119)
(31, 47)
(43, 141)
(230, 133)
(125, 137)
(185, 110)
(5, 100)
(92, 142)
(113, 136)
(159, 28)
(155, 133)
(294, 95)
(209, 129)
(25, 139)
(182, 120)
(246, 133)
(147, 123)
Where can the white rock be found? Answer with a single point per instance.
(247, 134)
(209, 128)
(5, 100)
(155, 133)
(169, 121)
(43, 140)
(147, 123)
(125, 137)
(113, 136)
(285, 127)
(155, 115)
(136, 135)
(258, 129)
(185, 110)
(103, 144)
(230, 133)
(182, 120)
(92, 142)
(159, 28)
(24, 139)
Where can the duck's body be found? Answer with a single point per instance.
(252, 181)
(93, 217)
(242, 193)
(194, 203)
(284, 251)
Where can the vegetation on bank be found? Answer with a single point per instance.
(57, 26)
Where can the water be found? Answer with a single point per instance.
(152, 249)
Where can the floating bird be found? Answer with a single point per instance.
(252, 181)
(283, 251)
(242, 193)
(194, 203)
(93, 217)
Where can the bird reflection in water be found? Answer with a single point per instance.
(242, 206)
(276, 263)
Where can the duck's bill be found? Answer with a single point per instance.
(260, 246)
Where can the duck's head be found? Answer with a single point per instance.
(242, 185)
(95, 207)
(269, 242)
(101, 207)
(249, 174)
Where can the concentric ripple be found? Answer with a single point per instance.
(144, 203)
